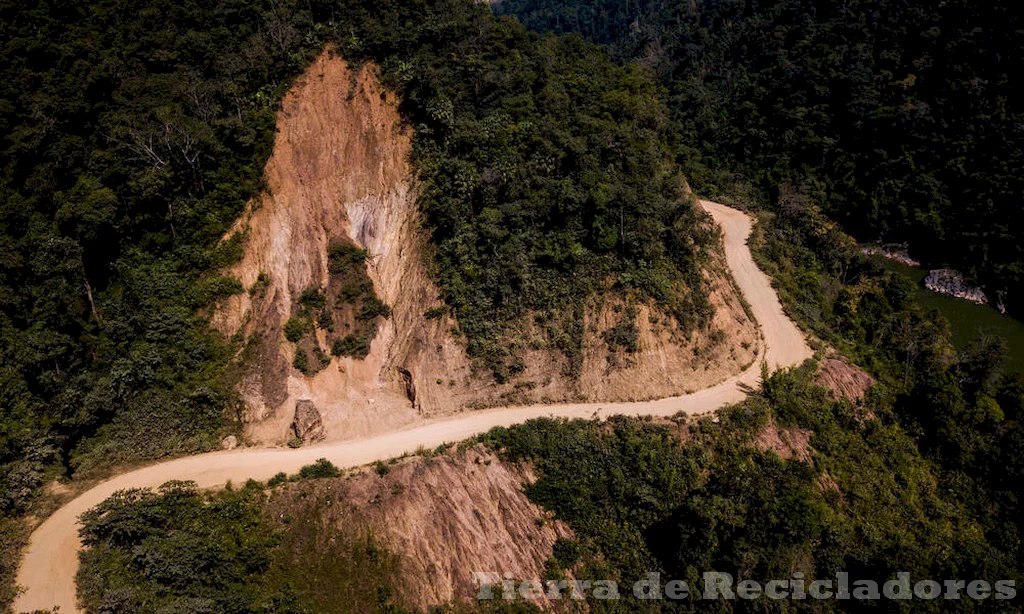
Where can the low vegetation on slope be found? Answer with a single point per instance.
(866, 502)
(548, 176)
(133, 136)
(392, 540)
(178, 550)
(963, 408)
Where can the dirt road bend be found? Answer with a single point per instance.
(47, 572)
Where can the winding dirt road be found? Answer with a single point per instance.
(48, 569)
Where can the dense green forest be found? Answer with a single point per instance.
(134, 133)
(867, 503)
(903, 114)
(962, 408)
(924, 477)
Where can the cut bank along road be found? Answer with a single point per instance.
(48, 569)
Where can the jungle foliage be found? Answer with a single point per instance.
(640, 499)
(963, 408)
(905, 114)
(924, 476)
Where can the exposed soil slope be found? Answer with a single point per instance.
(845, 380)
(340, 175)
(445, 517)
(791, 442)
(47, 571)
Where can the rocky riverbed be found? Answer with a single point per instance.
(896, 252)
(952, 283)
(942, 281)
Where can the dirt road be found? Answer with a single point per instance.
(48, 569)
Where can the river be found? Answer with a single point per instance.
(966, 319)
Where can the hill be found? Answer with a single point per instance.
(343, 315)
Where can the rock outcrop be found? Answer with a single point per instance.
(952, 283)
(307, 424)
(897, 252)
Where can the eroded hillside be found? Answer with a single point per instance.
(444, 517)
(339, 176)
(405, 536)
(340, 309)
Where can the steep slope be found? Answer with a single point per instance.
(339, 183)
(339, 174)
(444, 516)
(845, 380)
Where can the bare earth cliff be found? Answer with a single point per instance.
(340, 175)
(339, 172)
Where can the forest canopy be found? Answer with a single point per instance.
(903, 116)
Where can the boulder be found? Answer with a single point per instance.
(952, 283)
(307, 424)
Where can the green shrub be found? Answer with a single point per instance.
(322, 358)
(301, 361)
(624, 335)
(228, 252)
(326, 320)
(313, 298)
(216, 288)
(373, 307)
(342, 257)
(13, 537)
(295, 329)
(351, 345)
(352, 292)
(566, 552)
(322, 468)
(306, 366)
(260, 286)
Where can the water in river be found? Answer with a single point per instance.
(966, 319)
